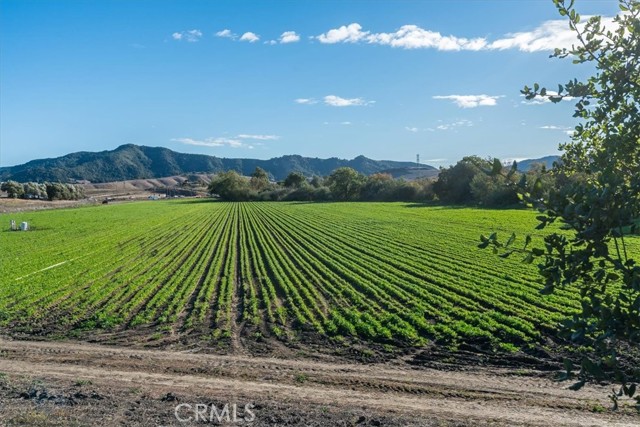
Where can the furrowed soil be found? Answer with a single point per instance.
(71, 383)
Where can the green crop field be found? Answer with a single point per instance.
(387, 273)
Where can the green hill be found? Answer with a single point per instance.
(140, 162)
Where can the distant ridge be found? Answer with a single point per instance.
(131, 161)
(547, 161)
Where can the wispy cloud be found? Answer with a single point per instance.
(549, 35)
(258, 137)
(411, 129)
(212, 142)
(249, 37)
(454, 125)
(564, 129)
(554, 127)
(336, 101)
(471, 101)
(307, 101)
(226, 33)
(188, 36)
(238, 141)
(289, 37)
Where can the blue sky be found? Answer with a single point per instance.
(261, 79)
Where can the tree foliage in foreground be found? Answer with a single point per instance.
(599, 203)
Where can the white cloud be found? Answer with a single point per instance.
(472, 101)
(345, 123)
(226, 33)
(414, 37)
(249, 37)
(336, 101)
(545, 37)
(289, 37)
(435, 160)
(308, 101)
(411, 129)
(406, 37)
(346, 34)
(258, 137)
(189, 36)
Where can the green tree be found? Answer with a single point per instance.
(377, 186)
(294, 180)
(13, 189)
(230, 186)
(259, 179)
(345, 183)
(477, 180)
(599, 202)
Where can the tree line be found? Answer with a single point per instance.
(343, 184)
(44, 191)
(473, 180)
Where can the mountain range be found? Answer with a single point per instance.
(140, 162)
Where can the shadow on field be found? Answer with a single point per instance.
(459, 207)
(197, 201)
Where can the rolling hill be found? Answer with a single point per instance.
(140, 162)
(547, 161)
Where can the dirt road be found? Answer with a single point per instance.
(61, 383)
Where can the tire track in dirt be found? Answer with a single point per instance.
(485, 396)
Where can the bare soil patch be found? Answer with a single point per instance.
(68, 383)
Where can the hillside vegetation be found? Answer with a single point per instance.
(130, 161)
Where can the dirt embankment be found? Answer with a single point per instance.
(84, 384)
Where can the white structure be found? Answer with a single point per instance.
(24, 226)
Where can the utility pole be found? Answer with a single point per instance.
(418, 159)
